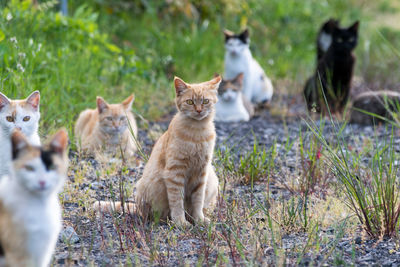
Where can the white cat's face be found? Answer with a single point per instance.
(230, 95)
(40, 170)
(235, 46)
(19, 114)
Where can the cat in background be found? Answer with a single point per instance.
(178, 180)
(107, 128)
(30, 213)
(257, 87)
(324, 38)
(17, 114)
(334, 72)
(232, 105)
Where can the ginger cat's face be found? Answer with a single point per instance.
(40, 170)
(23, 115)
(112, 117)
(196, 101)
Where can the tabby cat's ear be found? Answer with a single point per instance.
(127, 103)
(228, 34)
(59, 142)
(4, 101)
(18, 142)
(215, 83)
(33, 100)
(180, 86)
(101, 104)
(354, 27)
(239, 79)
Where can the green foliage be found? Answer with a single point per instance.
(371, 189)
(70, 61)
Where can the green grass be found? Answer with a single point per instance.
(114, 49)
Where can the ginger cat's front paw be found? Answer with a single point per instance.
(181, 221)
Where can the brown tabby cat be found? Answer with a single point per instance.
(178, 179)
(107, 128)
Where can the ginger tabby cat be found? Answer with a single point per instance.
(178, 177)
(107, 128)
(178, 180)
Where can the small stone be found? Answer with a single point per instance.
(69, 236)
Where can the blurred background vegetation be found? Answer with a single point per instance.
(114, 48)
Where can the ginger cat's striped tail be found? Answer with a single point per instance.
(114, 206)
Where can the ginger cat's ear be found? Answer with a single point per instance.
(4, 101)
(215, 82)
(33, 100)
(19, 142)
(59, 141)
(180, 86)
(127, 103)
(101, 104)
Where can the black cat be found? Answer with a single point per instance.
(324, 39)
(334, 72)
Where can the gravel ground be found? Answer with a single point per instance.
(106, 240)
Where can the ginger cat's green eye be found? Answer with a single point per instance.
(26, 118)
(122, 118)
(206, 101)
(10, 119)
(189, 102)
(109, 118)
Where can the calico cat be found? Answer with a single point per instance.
(17, 114)
(178, 180)
(232, 105)
(257, 87)
(334, 72)
(324, 39)
(107, 128)
(30, 214)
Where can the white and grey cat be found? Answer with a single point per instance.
(17, 114)
(30, 213)
(232, 105)
(257, 87)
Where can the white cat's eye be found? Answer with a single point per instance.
(10, 119)
(206, 101)
(189, 102)
(29, 168)
(52, 167)
(26, 118)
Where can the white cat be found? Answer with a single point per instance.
(30, 213)
(232, 105)
(17, 114)
(257, 87)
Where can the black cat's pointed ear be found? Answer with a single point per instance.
(228, 34)
(354, 27)
(330, 25)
